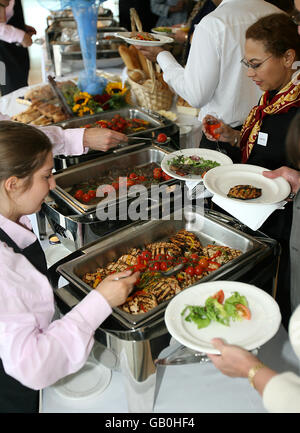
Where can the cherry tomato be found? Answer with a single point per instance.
(166, 176)
(86, 198)
(203, 262)
(115, 185)
(194, 257)
(146, 255)
(159, 257)
(142, 178)
(78, 194)
(198, 270)
(157, 173)
(133, 176)
(154, 266)
(190, 271)
(139, 267)
(219, 296)
(92, 194)
(161, 138)
(243, 311)
(130, 183)
(163, 266)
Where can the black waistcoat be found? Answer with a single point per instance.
(14, 57)
(15, 397)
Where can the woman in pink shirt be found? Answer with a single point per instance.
(15, 37)
(34, 351)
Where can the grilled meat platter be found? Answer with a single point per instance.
(152, 288)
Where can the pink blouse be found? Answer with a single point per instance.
(34, 350)
(9, 33)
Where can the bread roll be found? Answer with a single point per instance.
(137, 75)
(127, 57)
(134, 54)
(143, 62)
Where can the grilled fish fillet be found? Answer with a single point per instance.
(244, 192)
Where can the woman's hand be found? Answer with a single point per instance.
(27, 41)
(289, 174)
(233, 361)
(30, 30)
(227, 134)
(150, 52)
(102, 138)
(116, 291)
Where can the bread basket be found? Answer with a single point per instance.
(154, 93)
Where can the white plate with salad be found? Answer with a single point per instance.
(248, 327)
(193, 163)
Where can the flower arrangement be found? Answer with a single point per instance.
(114, 96)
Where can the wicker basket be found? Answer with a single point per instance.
(153, 94)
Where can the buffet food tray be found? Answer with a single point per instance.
(82, 172)
(112, 246)
(155, 122)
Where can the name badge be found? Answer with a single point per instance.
(262, 138)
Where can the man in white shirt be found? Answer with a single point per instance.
(213, 79)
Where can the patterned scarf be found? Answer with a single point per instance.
(285, 99)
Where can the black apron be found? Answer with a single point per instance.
(15, 397)
(15, 58)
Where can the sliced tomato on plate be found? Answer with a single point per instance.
(243, 311)
(219, 296)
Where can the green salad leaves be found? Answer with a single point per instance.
(215, 309)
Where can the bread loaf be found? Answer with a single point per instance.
(143, 62)
(134, 54)
(127, 58)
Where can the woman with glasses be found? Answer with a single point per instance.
(272, 50)
(280, 391)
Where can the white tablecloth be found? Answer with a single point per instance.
(193, 388)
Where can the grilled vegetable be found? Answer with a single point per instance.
(244, 192)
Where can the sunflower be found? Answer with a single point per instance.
(82, 98)
(84, 111)
(115, 89)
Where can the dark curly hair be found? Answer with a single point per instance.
(277, 32)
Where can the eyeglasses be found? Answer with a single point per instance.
(251, 65)
(296, 18)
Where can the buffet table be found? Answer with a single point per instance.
(190, 388)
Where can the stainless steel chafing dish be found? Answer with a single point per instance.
(131, 344)
(76, 224)
(157, 124)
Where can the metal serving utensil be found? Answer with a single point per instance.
(182, 355)
(168, 273)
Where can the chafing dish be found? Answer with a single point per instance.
(157, 124)
(131, 345)
(77, 224)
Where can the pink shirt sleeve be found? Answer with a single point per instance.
(64, 141)
(9, 33)
(34, 350)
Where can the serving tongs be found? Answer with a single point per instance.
(181, 355)
(65, 107)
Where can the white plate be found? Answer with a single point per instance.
(162, 40)
(203, 153)
(220, 179)
(158, 32)
(249, 334)
(89, 381)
